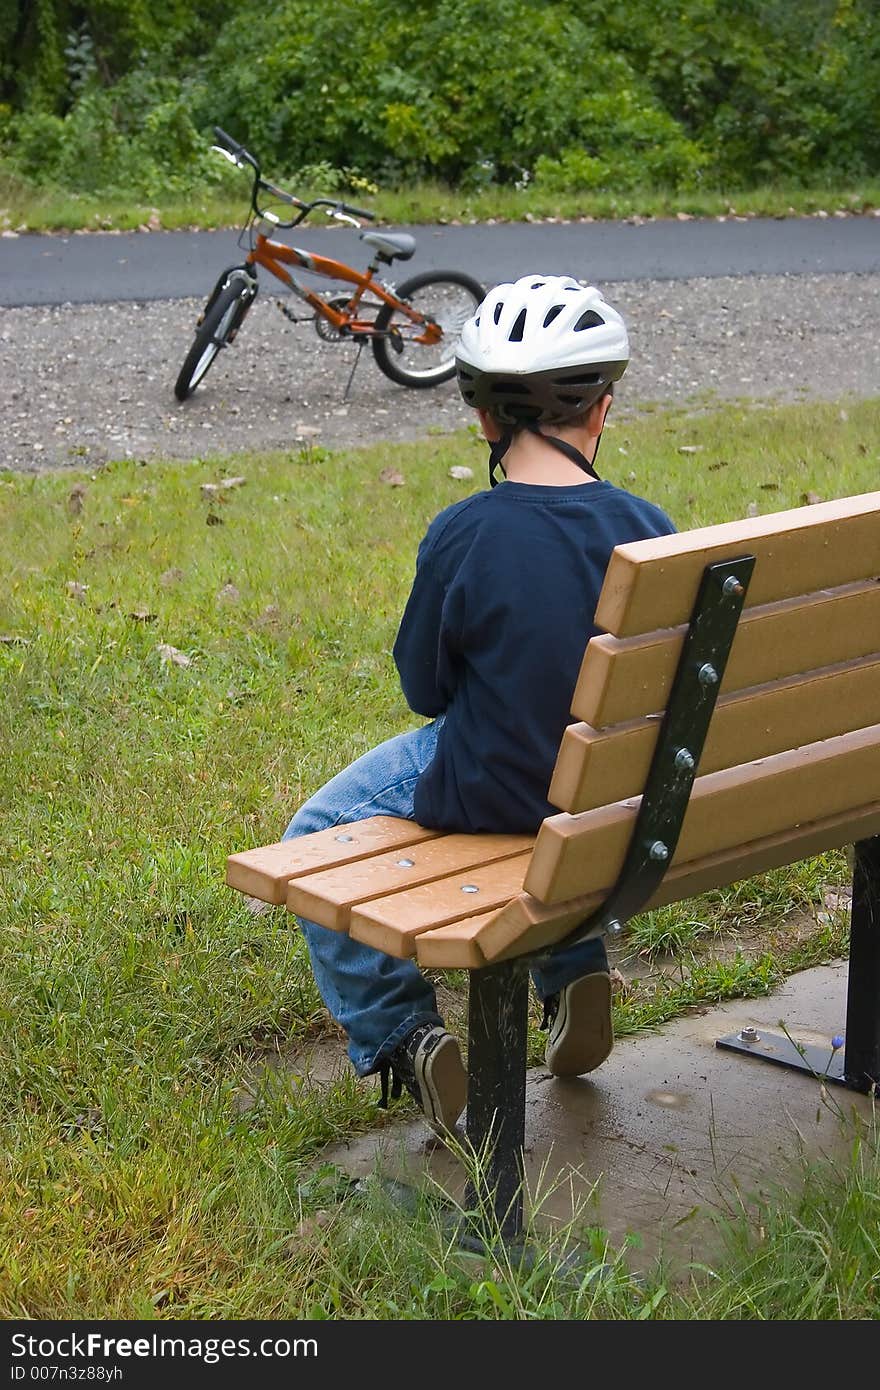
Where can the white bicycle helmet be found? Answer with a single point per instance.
(542, 348)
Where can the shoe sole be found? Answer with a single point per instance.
(582, 1027)
(442, 1081)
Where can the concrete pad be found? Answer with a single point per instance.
(670, 1132)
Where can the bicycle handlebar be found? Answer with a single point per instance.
(241, 153)
(235, 148)
(342, 207)
(280, 193)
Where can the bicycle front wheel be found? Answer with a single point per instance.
(447, 299)
(218, 328)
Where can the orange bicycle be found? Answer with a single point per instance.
(412, 328)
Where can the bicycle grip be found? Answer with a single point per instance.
(358, 212)
(232, 145)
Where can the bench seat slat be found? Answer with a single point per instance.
(624, 678)
(584, 853)
(328, 897)
(392, 923)
(598, 766)
(265, 872)
(454, 946)
(526, 924)
(653, 583)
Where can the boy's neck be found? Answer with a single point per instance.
(531, 460)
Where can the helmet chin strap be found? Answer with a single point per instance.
(499, 448)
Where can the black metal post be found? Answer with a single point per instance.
(862, 1050)
(496, 1112)
(679, 746)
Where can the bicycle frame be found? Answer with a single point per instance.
(274, 255)
(366, 309)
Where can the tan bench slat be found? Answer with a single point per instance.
(328, 897)
(264, 873)
(453, 947)
(653, 583)
(579, 854)
(392, 924)
(598, 766)
(626, 677)
(525, 924)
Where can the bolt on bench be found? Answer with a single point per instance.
(728, 722)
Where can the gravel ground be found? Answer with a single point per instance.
(81, 384)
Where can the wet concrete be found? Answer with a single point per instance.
(669, 1135)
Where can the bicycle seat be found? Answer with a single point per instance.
(390, 246)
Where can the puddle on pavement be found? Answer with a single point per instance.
(669, 1100)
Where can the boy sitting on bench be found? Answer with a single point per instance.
(489, 650)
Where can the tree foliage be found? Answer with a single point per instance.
(573, 93)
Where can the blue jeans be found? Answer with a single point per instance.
(377, 999)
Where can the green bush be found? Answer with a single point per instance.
(577, 93)
(37, 139)
(624, 143)
(138, 136)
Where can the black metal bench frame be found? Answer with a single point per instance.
(499, 994)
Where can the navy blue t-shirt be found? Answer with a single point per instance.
(493, 635)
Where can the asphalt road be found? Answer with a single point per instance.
(99, 268)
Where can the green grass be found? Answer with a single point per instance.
(136, 991)
(29, 207)
(683, 927)
(810, 1250)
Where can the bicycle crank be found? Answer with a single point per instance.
(289, 314)
(327, 331)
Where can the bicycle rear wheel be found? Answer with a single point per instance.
(222, 319)
(447, 298)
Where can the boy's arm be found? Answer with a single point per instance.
(417, 646)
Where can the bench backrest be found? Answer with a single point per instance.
(791, 765)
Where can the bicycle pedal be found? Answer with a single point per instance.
(289, 314)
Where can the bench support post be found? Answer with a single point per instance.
(679, 746)
(498, 1006)
(862, 1049)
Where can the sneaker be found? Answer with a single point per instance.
(578, 1020)
(428, 1063)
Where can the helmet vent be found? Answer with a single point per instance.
(585, 379)
(499, 307)
(516, 332)
(589, 319)
(537, 285)
(551, 314)
(513, 388)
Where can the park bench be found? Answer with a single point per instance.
(727, 721)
